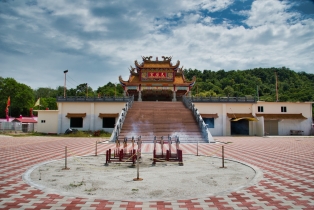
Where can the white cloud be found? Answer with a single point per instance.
(265, 12)
(98, 44)
(216, 5)
(211, 5)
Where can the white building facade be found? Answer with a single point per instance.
(222, 118)
(81, 114)
(257, 119)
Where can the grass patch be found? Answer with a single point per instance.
(91, 189)
(22, 134)
(77, 184)
(99, 133)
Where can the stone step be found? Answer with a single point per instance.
(150, 119)
(146, 128)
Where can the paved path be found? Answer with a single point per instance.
(287, 164)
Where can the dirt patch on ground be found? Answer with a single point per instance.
(200, 176)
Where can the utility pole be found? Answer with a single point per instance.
(65, 85)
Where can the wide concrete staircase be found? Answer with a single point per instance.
(160, 118)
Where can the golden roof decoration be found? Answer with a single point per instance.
(149, 63)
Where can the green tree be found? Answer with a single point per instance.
(83, 90)
(228, 91)
(49, 103)
(21, 97)
(43, 92)
(110, 89)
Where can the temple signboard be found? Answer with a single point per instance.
(152, 75)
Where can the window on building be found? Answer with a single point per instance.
(283, 109)
(108, 122)
(210, 122)
(76, 122)
(260, 109)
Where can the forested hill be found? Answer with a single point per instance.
(292, 86)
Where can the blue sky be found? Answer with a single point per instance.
(98, 40)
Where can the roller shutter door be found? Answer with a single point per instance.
(271, 127)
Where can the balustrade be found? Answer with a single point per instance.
(116, 132)
(205, 132)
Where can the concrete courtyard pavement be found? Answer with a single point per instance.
(287, 164)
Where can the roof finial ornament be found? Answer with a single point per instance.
(167, 58)
(147, 58)
(132, 70)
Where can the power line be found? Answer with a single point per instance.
(72, 79)
(71, 82)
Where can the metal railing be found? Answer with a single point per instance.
(16, 126)
(93, 99)
(205, 132)
(117, 129)
(245, 99)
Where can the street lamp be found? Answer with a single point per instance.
(65, 78)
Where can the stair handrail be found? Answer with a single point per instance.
(205, 132)
(187, 102)
(117, 129)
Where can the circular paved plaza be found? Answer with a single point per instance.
(286, 164)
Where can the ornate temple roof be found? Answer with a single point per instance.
(156, 72)
(148, 63)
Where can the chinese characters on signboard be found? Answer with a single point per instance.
(157, 75)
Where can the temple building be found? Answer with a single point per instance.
(157, 80)
(160, 85)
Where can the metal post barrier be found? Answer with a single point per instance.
(180, 157)
(177, 143)
(133, 157)
(125, 144)
(121, 155)
(107, 157)
(66, 159)
(223, 157)
(96, 149)
(169, 143)
(139, 142)
(138, 168)
(197, 148)
(155, 141)
(162, 146)
(117, 143)
(154, 157)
